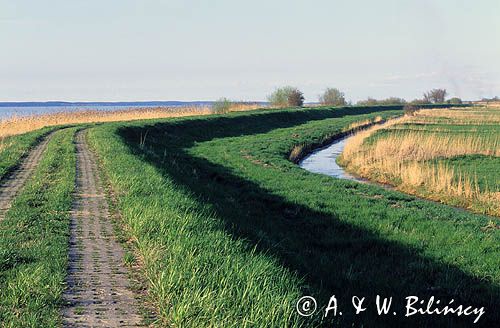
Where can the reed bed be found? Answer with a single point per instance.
(411, 160)
(458, 116)
(359, 124)
(23, 124)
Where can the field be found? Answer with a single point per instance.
(447, 155)
(225, 230)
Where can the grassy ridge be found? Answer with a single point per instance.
(232, 232)
(34, 240)
(197, 273)
(389, 243)
(12, 149)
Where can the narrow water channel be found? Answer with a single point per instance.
(324, 161)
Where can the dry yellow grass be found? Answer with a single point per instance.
(19, 125)
(419, 146)
(458, 116)
(356, 125)
(402, 156)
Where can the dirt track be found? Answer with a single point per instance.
(98, 293)
(13, 183)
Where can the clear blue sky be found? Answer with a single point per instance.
(108, 50)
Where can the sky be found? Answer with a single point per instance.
(131, 50)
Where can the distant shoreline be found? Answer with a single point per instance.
(103, 103)
(108, 103)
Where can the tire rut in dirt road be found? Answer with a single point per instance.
(98, 292)
(14, 182)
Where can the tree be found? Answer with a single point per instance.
(455, 101)
(332, 97)
(435, 96)
(286, 96)
(296, 98)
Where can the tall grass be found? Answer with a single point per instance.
(12, 149)
(23, 124)
(474, 115)
(198, 275)
(34, 240)
(401, 152)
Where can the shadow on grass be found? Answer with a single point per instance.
(332, 256)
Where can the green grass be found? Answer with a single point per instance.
(486, 169)
(34, 240)
(16, 147)
(232, 233)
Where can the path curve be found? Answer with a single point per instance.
(12, 184)
(98, 292)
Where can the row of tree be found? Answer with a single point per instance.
(494, 99)
(293, 97)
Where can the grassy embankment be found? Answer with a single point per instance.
(14, 148)
(447, 155)
(231, 233)
(34, 238)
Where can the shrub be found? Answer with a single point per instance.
(410, 109)
(418, 102)
(286, 96)
(332, 97)
(455, 101)
(393, 101)
(435, 96)
(221, 106)
(368, 102)
(388, 101)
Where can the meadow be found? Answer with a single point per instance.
(227, 231)
(446, 155)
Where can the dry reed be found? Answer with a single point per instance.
(359, 124)
(23, 124)
(401, 157)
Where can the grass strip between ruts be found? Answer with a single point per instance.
(34, 240)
